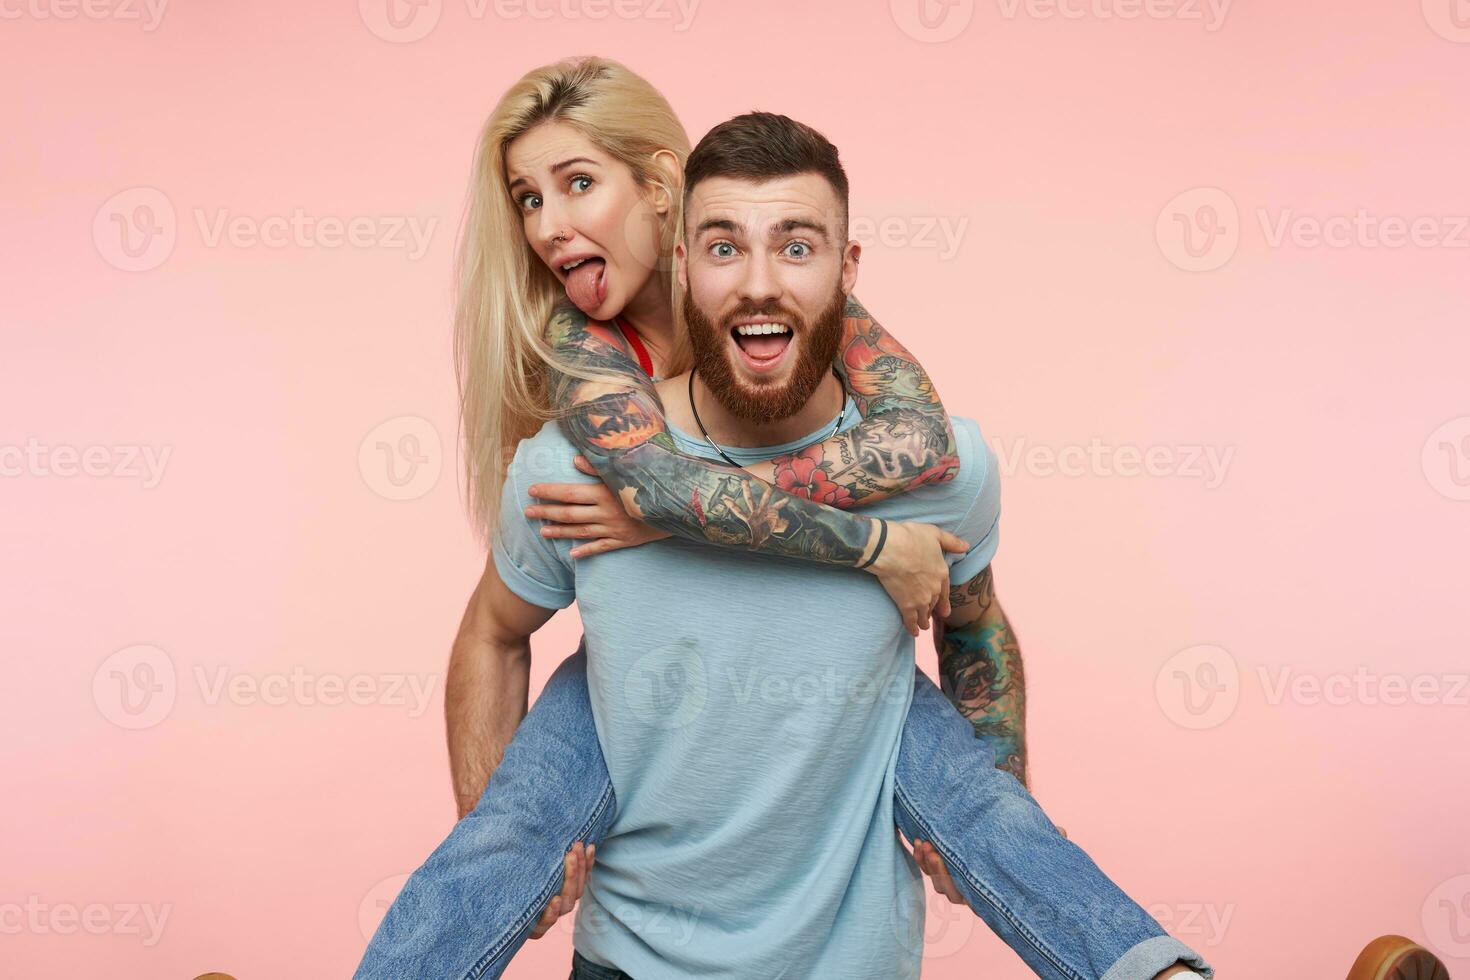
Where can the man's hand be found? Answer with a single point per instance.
(578, 866)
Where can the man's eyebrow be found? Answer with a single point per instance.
(717, 224)
(555, 168)
(799, 224)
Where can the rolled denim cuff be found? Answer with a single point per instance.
(1153, 956)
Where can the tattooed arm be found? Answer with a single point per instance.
(620, 428)
(981, 673)
(904, 440)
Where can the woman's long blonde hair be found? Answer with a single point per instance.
(505, 293)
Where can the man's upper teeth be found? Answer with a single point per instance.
(572, 265)
(748, 329)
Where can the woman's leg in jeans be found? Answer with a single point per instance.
(1041, 893)
(468, 909)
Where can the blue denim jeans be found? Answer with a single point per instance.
(469, 908)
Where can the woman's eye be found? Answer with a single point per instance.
(530, 202)
(798, 250)
(722, 250)
(580, 184)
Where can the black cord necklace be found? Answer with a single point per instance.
(714, 445)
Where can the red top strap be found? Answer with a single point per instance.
(636, 342)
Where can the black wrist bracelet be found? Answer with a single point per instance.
(882, 537)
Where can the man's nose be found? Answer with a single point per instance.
(760, 284)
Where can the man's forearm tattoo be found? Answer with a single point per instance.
(981, 673)
(904, 441)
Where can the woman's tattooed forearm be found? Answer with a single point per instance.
(730, 507)
(981, 673)
(904, 441)
(621, 430)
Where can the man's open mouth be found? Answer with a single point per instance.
(762, 345)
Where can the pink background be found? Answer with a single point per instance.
(1159, 614)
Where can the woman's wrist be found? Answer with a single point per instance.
(877, 539)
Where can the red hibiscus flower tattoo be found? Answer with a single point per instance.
(804, 474)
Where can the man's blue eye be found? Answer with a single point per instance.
(798, 250)
(724, 250)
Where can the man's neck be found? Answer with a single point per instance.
(729, 429)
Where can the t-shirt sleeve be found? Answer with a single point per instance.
(981, 524)
(529, 565)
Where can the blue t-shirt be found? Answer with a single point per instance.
(749, 709)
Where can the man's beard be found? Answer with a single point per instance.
(772, 401)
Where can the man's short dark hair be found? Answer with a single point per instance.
(760, 146)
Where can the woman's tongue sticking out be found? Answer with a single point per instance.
(587, 284)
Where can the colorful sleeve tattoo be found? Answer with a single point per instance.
(620, 429)
(904, 440)
(981, 672)
(788, 505)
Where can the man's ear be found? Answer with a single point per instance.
(681, 264)
(668, 162)
(851, 252)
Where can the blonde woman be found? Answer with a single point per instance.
(576, 196)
